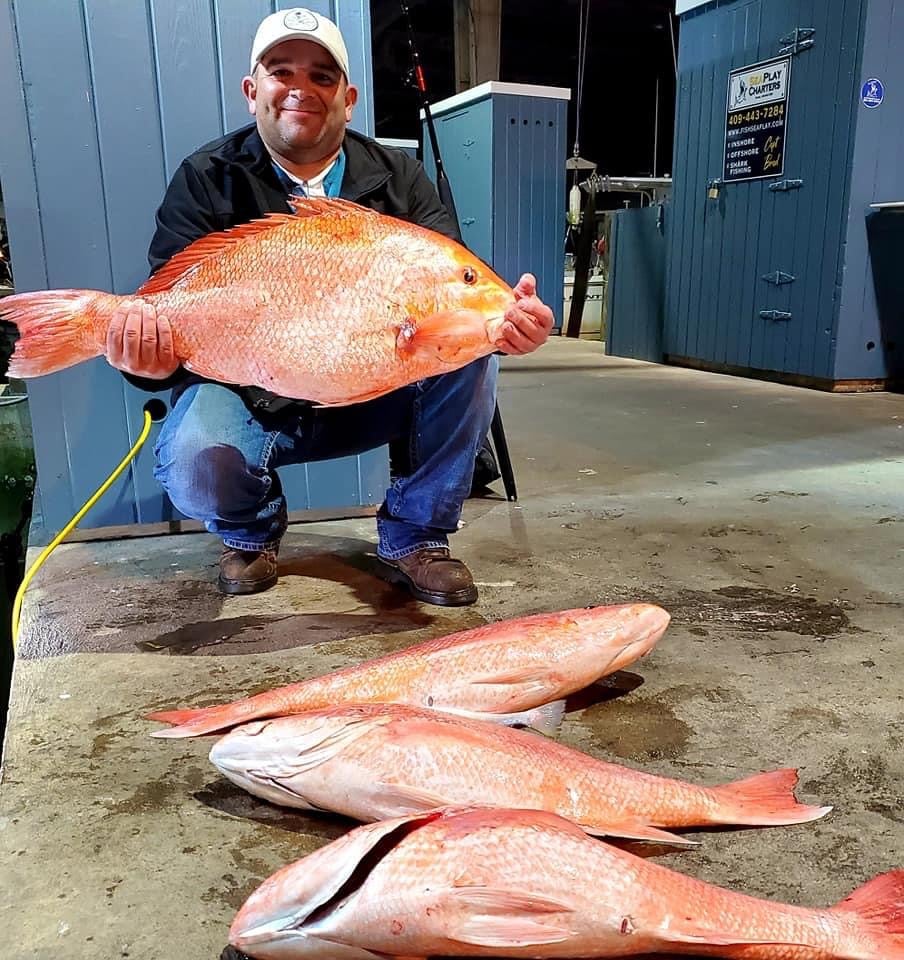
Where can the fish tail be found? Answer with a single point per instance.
(196, 723)
(880, 906)
(766, 799)
(56, 329)
(176, 717)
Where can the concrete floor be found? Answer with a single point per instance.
(768, 520)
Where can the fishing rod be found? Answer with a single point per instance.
(416, 79)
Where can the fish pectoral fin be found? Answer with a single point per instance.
(502, 933)
(637, 830)
(503, 919)
(317, 747)
(532, 679)
(207, 247)
(531, 674)
(406, 798)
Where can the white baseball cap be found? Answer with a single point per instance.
(299, 24)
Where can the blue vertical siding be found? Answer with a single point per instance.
(877, 176)
(465, 138)
(637, 277)
(720, 249)
(234, 25)
(529, 193)
(504, 155)
(84, 162)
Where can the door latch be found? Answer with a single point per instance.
(800, 38)
(779, 277)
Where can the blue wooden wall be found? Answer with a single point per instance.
(504, 154)
(637, 263)
(864, 348)
(103, 99)
(719, 250)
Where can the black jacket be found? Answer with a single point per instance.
(231, 181)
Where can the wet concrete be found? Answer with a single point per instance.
(768, 520)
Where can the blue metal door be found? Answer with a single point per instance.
(748, 287)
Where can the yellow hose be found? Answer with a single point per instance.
(45, 553)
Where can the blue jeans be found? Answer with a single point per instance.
(217, 462)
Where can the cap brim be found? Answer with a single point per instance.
(295, 36)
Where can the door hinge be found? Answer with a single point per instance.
(800, 38)
(775, 315)
(779, 277)
(783, 186)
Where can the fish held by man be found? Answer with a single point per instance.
(514, 671)
(337, 304)
(379, 761)
(525, 883)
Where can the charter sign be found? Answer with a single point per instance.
(756, 120)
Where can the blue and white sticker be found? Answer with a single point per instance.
(872, 93)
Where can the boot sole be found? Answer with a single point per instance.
(240, 587)
(458, 598)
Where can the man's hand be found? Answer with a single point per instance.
(528, 322)
(140, 342)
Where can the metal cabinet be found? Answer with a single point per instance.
(503, 149)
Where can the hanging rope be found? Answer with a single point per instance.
(583, 25)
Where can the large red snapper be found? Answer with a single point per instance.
(525, 883)
(378, 761)
(337, 305)
(514, 671)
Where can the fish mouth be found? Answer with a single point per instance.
(240, 770)
(654, 622)
(493, 329)
(296, 912)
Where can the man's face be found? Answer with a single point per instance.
(301, 100)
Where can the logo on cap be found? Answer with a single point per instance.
(301, 20)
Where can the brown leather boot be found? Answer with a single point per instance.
(433, 577)
(247, 571)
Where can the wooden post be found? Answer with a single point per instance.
(477, 29)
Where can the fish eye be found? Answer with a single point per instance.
(469, 275)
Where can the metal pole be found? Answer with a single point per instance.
(656, 130)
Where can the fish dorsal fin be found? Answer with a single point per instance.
(215, 243)
(331, 206)
(210, 246)
(314, 748)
